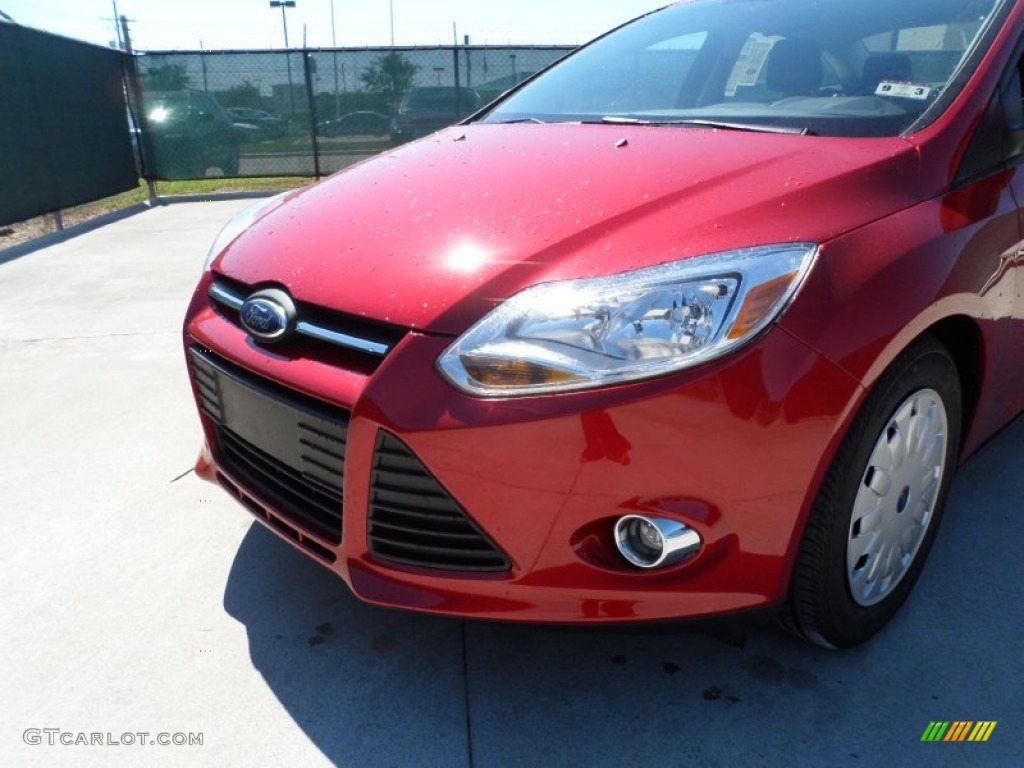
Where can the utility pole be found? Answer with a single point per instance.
(117, 26)
(135, 99)
(126, 35)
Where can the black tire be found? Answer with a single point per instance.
(193, 163)
(232, 163)
(821, 606)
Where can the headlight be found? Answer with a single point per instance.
(578, 334)
(239, 223)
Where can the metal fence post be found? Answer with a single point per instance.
(311, 99)
(458, 90)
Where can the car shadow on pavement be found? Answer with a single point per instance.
(367, 685)
(375, 687)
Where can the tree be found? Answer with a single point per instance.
(391, 75)
(169, 77)
(245, 95)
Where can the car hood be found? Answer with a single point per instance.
(434, 234)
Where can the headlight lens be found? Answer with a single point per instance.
(578, 334)
(239, 223)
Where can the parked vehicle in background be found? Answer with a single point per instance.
(700, 320)
(428, 109)
(360, 123)
(247, 133)
(185, 133)
(266, 125)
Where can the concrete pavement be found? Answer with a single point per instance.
(139, 599)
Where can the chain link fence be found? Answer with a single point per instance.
(309, 112)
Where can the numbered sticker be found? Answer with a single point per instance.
(903, 90)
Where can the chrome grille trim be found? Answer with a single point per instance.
(341, 339)
(224, 295)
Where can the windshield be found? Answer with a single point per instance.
(829, 67)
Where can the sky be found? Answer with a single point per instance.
(253, 24)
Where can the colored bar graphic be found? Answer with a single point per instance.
(959, 730)
(982, 730)
(935, 730)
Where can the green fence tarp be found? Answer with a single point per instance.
(64, 131)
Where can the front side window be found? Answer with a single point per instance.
(831, 67)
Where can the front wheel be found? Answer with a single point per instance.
(878, 509)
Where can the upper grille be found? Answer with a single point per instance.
(414, 521)
(286, 448)
(369, 339)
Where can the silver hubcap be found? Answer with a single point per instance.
(896, 500)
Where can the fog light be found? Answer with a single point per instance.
(654, 542)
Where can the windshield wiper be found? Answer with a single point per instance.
(515, 120)
(702, 123)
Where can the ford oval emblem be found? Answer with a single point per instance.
(268, 315)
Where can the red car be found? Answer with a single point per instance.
(701, 320)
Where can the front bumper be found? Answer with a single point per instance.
(733, 449)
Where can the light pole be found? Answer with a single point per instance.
(282, 4)
(284, 19)
(391, 7)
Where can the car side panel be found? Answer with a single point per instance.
(878, 288)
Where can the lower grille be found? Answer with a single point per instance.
(414, 521)
(287, 449)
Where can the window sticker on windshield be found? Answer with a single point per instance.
(903, 90)
(751, 62)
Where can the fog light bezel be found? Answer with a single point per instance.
(678, 541)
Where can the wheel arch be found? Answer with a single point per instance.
(964, 340)
(961, 340)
